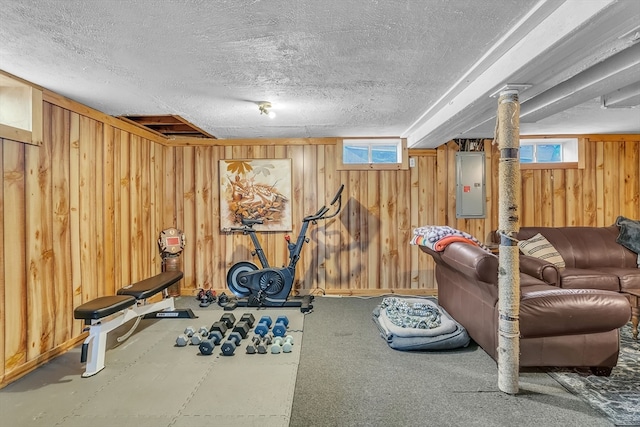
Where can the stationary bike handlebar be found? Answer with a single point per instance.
(322, 212)
(247, 223)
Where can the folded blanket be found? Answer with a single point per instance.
(438, 237)
(629, 235)
(448, 334)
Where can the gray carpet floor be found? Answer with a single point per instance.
(346, 376)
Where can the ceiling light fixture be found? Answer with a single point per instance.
(264, 108)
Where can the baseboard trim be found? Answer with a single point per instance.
(31, 365)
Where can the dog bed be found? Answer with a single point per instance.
(418, 324)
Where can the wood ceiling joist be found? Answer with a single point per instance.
(168, 126)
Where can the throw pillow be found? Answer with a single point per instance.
(538, 246)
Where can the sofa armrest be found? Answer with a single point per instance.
(472, 261)
(540, 269)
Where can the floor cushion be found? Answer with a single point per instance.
(445, 334)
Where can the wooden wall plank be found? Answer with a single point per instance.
(599, 172)
(126, 220)
(97, 205)
(15, 242)
(631, 182)
(2, 266)
(62, 291)
(147, 238)
(190, 228)
(611, 182)
(109, 233)
(74, 217)
(117, 225)
(136, 208)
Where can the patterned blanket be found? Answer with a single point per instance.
(629, 235)
(438, 237)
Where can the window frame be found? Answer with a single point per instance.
(368, 142)
(549, 140)
(31, 136)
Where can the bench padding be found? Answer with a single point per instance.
(103, 306)
(151, 286)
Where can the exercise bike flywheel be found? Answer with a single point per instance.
(272, 282)
(233, 281)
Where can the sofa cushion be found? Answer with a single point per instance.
(582, 278)
(556, 311)
(538, 246)
(629, 278)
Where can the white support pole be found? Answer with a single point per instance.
(508, 139)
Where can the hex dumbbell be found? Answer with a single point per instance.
(182, 340)
(242, 328)
(207, 345)
(248, 317)
(284, 343)
(198, 337)
(230, 345)
(229, 319)
(220, 326)
(264, 324)
(280, 327)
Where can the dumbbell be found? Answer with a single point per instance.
(257, 345)
(280, 327)
(183, 339)
(282, 343)
(207, 345)
(242, 328)
(199, 336)
(230, 345)
(220, 326)
(264, 324)
(248, 317)
(254, 346)
(229, 319)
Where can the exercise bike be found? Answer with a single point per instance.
(268, 286)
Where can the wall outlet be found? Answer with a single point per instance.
(412, 162)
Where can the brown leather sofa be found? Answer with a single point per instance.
(593, 258)
(558, 327)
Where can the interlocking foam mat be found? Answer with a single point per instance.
(149, 381)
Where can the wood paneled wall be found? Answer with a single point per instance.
(81, 214)
(363, 249)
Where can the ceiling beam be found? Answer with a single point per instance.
(534, 35)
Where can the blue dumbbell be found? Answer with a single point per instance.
(280, 328)
(263, 326)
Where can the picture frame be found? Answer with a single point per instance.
(256, 189)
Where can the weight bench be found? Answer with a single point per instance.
(104, 314)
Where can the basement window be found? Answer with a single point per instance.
(549, 152)
(20, 111)
(373, 153)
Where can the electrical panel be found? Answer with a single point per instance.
(471, 200)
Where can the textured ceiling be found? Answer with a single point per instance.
(418, 69)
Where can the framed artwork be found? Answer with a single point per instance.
(256, 189)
